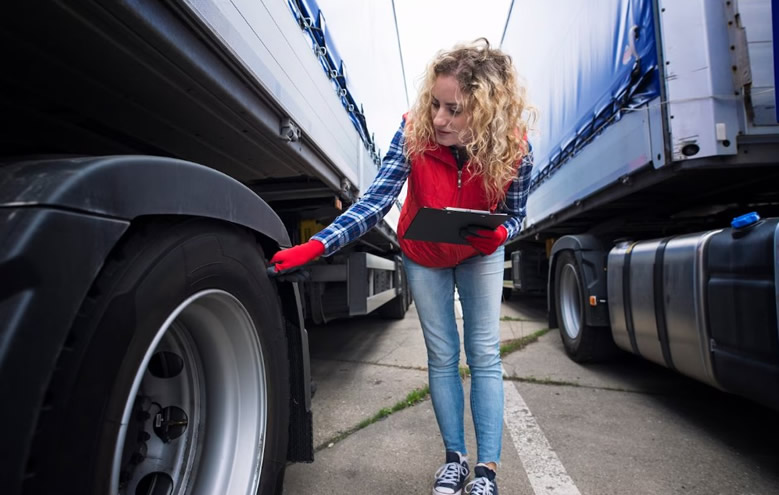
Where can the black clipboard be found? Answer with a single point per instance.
(443, 225)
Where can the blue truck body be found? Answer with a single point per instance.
(657, 128)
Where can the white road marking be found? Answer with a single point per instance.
(544, 469)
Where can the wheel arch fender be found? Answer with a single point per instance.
(591, 257)
(132, 186)
(127, 189)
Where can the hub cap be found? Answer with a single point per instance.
(195, 420)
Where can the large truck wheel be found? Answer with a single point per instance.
(397, 307)
(582, 342)
(507, 293)
(175, 376)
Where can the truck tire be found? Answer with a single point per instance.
(397, 307)
(175, 376)
(507, 293)
(582, 342)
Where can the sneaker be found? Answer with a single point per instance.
(451, 477)
(483, 482)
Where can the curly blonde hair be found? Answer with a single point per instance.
(496, 108)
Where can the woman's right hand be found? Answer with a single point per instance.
(297, 255)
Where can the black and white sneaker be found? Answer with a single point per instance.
(451, 477)
(483, 482)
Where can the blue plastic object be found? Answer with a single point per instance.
(745, 220)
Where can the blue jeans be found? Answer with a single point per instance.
(479, 281)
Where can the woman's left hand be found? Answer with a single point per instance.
(487, 241)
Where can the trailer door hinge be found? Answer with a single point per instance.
(290, 132)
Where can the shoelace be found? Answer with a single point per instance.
(450, 473)
(479, 486)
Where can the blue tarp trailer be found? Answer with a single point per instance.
(657, 129)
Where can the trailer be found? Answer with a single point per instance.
(154, 156)
(649, 220)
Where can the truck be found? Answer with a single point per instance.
(155, 155)
(651, 219)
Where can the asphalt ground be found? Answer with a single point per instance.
(626, 426)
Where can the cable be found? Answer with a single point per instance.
(506, 26)
(400, 52)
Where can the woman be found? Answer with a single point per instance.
(462, 145)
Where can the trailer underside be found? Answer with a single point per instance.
(684, 197)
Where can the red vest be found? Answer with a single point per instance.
(433, 183)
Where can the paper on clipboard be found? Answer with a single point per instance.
(444, 225)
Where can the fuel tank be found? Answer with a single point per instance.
(704, 304)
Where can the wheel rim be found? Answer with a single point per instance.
(196, 416)
(570, 301)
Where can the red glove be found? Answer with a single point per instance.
(487, 241)
(297, 255)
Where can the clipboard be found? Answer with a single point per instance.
(443, 225)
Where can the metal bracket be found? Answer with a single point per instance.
(346, 188)
(741, 66)
(739, 50)
(290, 132)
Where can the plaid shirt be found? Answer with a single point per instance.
(380, 196)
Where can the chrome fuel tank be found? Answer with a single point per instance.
(704, 304)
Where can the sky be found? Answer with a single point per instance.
(365, 35)
(427, 26)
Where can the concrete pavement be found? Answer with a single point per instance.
(626, 426)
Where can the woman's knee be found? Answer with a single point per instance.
(443, 361)
(487, 358)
